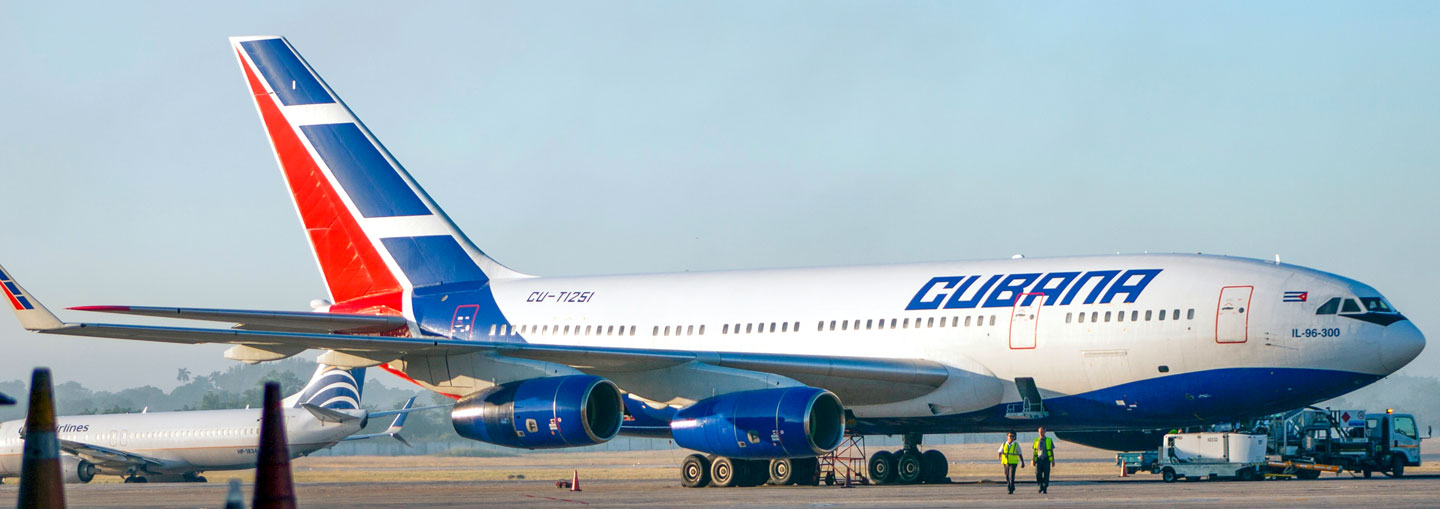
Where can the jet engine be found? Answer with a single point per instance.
(75, 470)
(790, 422)
(542, 413)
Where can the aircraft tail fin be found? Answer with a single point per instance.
(374, 231)
(330, 388)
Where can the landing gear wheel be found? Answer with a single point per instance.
(805, 471)
(782, 472)
(1367, 473)
(695, 471)
(1397, 466)
(934, 466)
(1167, 475)
(830, 479)
(882, 467)
(201, 478)
(724, 472)
(907, 468)
(1247, 474)
(1307, 474)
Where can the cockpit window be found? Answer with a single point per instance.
(1350, 306)
(1329, 307)
(1376, 305)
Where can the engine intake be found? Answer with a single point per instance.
(75, 470)
(542, 413)
(792, 422)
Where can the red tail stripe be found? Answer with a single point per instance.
(352, 267)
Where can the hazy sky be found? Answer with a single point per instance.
(578, 138)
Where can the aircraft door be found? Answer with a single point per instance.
(1025, 320)
(1232, 314)
(463, 324)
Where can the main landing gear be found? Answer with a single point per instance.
(909, 465)
(698, 471)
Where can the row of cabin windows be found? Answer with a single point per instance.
(898, 323)
(566, 330)
(188, 433)
(761, 328)
(680, 330)
(1095, 316)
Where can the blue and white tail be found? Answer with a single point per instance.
(330, 387)
(375, 233)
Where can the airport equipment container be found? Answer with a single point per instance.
(1212, 455)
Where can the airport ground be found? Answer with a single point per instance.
(1085, 478)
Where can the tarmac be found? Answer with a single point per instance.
(1077, 491)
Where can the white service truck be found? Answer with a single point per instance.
(1195, 456)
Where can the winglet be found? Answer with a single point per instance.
(32, 314)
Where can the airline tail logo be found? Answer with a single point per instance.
(12, 291)
(332, 387)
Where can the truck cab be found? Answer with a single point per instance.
(1397, 441)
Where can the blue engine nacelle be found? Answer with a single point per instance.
(542, 413)
(791, 422)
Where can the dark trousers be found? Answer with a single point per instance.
(1010, 477)
(1042, 474)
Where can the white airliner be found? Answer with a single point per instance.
(765, 369)
(178, 446)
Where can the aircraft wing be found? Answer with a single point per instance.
(905, 378)
(284, 321)
(106, 457)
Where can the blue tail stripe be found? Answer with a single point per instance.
(433, 260)
(365, 174)
(288, 77)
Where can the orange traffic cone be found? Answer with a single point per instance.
(575, 481)
(1124, 472)
(40, 481)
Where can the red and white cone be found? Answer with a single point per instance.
(575, 481)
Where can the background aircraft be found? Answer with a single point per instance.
(763, 370)
(178, 446)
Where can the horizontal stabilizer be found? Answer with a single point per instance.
(280, 321)
(328, 415)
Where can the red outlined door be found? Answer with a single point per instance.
(1025, 320)
(1232, 314)
(463, 324)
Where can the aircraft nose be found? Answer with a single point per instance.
(1401, 343)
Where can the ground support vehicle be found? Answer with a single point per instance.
(1194, 456)
(1350, 440)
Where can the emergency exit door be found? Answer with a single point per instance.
(463, 324)
(1025, 320)
(1232, 314)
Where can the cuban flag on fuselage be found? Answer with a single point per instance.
(1296, 296)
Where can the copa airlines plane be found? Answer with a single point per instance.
(760, 371)
(178, 446)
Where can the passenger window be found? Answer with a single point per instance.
(796, 328)
(869, 324)
(832, 324)
(1134, 316)
(587, 330)
(906, 324)
(1094, 317)
(1330, 307)
(702, 330)
(772, 326)
(942, 321)
(667, 331)
(1147, 315)
(632, 330)
(1175, 315)
(1161, 315)
(954, 321)
(567, 329)
(1350, 307)
(749, 327)
(992, 320)
(1107, 316)
(893, 322)
(690, 330)
(1082, 317)
(725, 329)
(1120, 317)
(785, 327)
(1190, 315)
(967, 321)
(820, 326)
(844, 324)
(1067, 318)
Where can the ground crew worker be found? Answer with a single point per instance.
(1010, 458)
(1044, 457)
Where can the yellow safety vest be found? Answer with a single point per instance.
(1012, 454)
(1048, 447)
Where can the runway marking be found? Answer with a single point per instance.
(559, 499)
